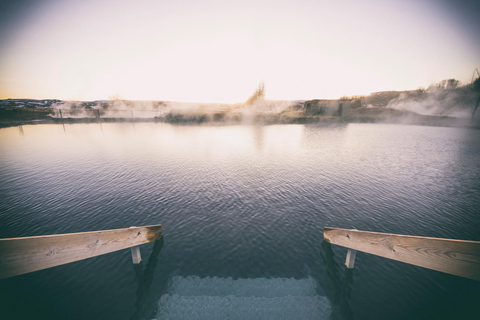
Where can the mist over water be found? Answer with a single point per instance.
(241, 202)
(126, 109)
(436, 101)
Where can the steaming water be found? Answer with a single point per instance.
(240, 202)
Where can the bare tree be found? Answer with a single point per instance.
(259, 94)
(452, 84)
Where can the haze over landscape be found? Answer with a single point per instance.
(214, 51)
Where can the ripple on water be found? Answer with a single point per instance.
(242, 202)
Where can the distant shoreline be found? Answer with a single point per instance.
(371, 109)
(361, 115)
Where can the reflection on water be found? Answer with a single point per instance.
(235, 138)
(240, 202)
(339, 284)
(144, 278)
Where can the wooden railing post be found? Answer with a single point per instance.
(136, 256)
(350, 261)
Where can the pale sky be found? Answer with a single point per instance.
(219, 51)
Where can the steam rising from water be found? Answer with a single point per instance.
(440, 102)
(162, 109)
(111, 109)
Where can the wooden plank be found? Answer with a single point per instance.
(24, 255)
(457, 257)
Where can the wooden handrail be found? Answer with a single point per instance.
(457, 257)
(24, 255)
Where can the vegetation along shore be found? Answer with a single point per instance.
(443, 104)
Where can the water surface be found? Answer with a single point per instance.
(241, 202)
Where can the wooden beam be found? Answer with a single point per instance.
(457, 257)
(24, 255)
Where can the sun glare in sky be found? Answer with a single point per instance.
(219, 51)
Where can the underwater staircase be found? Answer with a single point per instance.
(196, 298)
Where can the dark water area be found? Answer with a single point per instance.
(240, 202)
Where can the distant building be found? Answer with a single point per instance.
(336, 108)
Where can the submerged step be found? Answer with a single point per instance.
(239, 308)
(258, 287)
